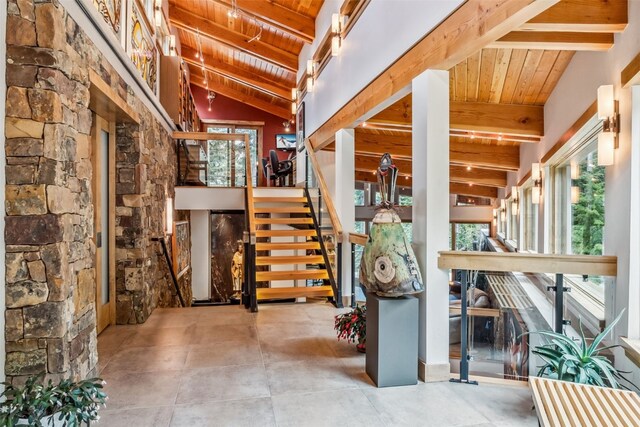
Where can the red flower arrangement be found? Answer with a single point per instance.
(352, 326)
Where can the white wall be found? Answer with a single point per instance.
(3, 97)
(575, 92)
(196, 198)
(385, 30)
(201, 254)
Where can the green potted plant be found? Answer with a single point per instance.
(578, 361)
(352, 326)
(68, 403)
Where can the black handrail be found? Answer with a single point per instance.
(337, 292)
(170, 265)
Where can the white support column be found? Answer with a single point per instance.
(430, 172)
(633, 330)
(344, 199)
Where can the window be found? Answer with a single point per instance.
(227, 158)
(467, 237)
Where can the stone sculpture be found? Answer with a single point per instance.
(388, 266)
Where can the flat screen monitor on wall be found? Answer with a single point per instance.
(286, 141)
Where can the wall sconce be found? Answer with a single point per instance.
(293, 108)
(294, 94)
(495, 217)
(310, 71)
(607, 139)
(287, 125)
(169, 213)
(575, 190)
(157, 13)
(536, 175)
(515, 202)
(336, 29)
(309, 84)
(503, 210)
(169, 45)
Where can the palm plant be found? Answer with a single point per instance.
(577, 361)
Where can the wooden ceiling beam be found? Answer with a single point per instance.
(190, 22)
(479, 176)
(473, 190)
(251, 79)
(369, 176)
(289, 21)
(229, 92)
(461, 153)
(527, 120)
(593, 16)
(537, 40)
(470, 28)
(500, 118)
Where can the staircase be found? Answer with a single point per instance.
(288, 249)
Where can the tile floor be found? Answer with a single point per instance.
(222, 366)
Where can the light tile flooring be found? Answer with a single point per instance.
(223, 366)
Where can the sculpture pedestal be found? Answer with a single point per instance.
(392, 340)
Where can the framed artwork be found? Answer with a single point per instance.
(141, 47)
(181, 248)
(286, 141)
(111, 11)
(300, 127)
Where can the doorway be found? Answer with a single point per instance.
(103, 139)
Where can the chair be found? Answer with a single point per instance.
(271, 178)
(280, 169)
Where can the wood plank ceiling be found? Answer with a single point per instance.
(497, 98)
(257, 71)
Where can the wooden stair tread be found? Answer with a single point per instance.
(288, 209)
(268, 276)
(282, 260)
(287, 221)
(286, 246)
(280, 200)
(286, 233)
(294, 292)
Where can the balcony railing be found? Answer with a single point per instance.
(498, 301)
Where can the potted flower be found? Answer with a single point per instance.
(67, 403)
(578, 361)
(352, 326)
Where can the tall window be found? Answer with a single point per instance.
(227, 158)
(467, 237)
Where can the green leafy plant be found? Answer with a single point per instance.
(70, 402)
(578, 361)
(352, 326)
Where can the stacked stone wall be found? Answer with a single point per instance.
(50, 250)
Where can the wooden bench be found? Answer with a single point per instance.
(564, 404)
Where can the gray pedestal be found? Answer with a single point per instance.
(392, 340)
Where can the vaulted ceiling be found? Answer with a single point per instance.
(497, 97)
(258, 71)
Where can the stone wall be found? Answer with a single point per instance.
(50, 277)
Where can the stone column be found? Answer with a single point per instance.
(430, 172)
(344, 198)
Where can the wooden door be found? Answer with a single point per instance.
(103, 159)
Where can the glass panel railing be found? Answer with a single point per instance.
(505, 308)
(216, 162)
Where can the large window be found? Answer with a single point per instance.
(467, 237)
(227, 158)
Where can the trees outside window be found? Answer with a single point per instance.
(587, 222)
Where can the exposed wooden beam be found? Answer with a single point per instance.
(242, 97)
(470, 28)
(594, 16)
(631, 73)
(479, 176)
(208, 29)
(284, 19)
(242, 76)
(369, 176)
(366, 163)
(475, 116)
(502, 157)
(375, 144)
(504, 118)
(554, 41)
(473, 190)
